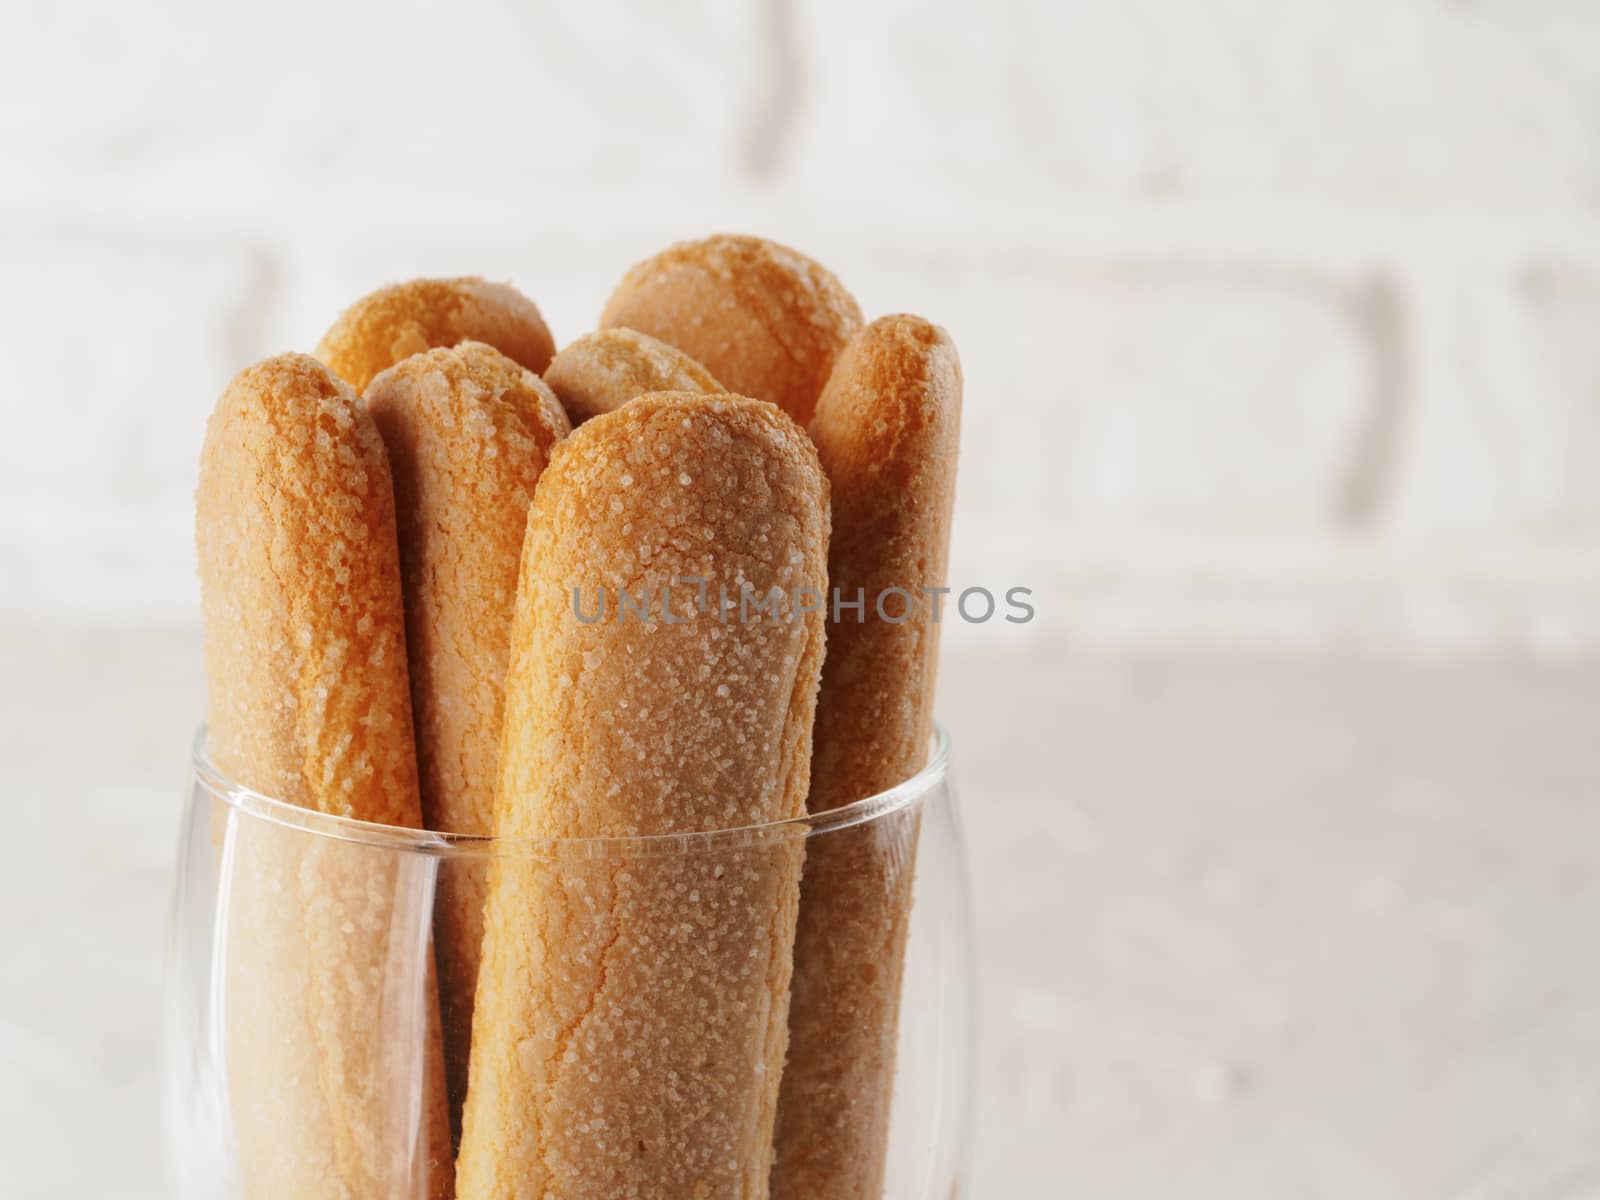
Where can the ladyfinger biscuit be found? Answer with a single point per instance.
(330, 1024)
(604, 370)
(764, 319)
(468, 431)
(631, 1012)
(886, 429)
(403, 319)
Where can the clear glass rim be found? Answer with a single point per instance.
(432, 842)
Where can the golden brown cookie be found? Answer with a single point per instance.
(764, 319)
(606, 369)
(468, 432)
(308, 702)
(886, 429)
(403, 319)
(630, 1019)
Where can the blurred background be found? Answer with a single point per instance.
(1281, 330)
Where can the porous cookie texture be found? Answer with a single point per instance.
(331, 1020)
(604, 370)
(328, 1064)
(764, 319)
(631, 1009)
(402, 319)
(307, 694)
(886, 429)
(468, 432)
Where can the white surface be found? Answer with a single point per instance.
(1248, 930)
(1293, 302)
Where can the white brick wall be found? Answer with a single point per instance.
(1278, 319)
